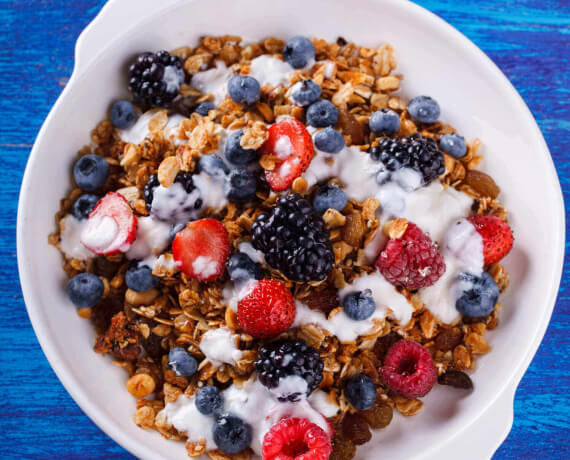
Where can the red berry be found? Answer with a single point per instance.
(296, 438)
(411, 261)
(200, 250)
(409, 369)
(267, 310)
(497, 237)
(111, 226)
(292, 164)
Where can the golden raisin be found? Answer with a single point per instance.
(355, 429)
(379, 415)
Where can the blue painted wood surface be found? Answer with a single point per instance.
(528, 39)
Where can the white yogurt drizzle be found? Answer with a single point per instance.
(213, 81)
(219, 346)
(139, 131)
(152, 239)
(70, 238)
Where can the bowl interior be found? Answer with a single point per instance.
(435, 60)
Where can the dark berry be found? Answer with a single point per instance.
(240, 185)
(209, 400)
(384, 121)
(424, 109)
(213, 166)
(479, 294)
(231, 434)
(329, 140)
(175, 229)
(242, 268)
(329, 197)
(154, 79)
(453, 144)
(286, 358)
(85, 290)
(91, 172)
(298, 52)
(321, 114)
(122, 114)
(235, 153)
(204, 108)
(361, 392)
(294, 240)
(180, 204)
(84, 205)
(359, 305)
(182, 363)
(416, 152)
(456, 379)
(305, 92)
(244, 89)
(139, 277)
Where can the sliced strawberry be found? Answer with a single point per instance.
(200, 250)
(497, 237)
(291, 155)
(111, 226)
(267, 310)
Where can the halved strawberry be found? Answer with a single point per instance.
(497, 237)
(200, 250)
(291, 147)
(111, 226)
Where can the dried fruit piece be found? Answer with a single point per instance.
(379, 415)
(323, 301)
(448, 339)
(482, 183)
(383, 344)
(343, 449)
(353, 230)
(456, 379)
(350, 126)
(355, 429)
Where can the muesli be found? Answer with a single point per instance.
(279, 249)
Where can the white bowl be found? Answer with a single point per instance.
(436, 60)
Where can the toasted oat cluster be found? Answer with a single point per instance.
(275, 244)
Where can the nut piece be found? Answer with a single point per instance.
(408, 407)
(167, 171)
(481, 183)
(333, 218)
(140, 385)
(299, 185)
(141, 298)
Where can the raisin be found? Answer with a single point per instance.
(448, 339)
(456, 379)
(106, 268)
(323, 301)
(350, 126)
(383, 344)
(343, 449)
(379, 415)
(355, 429)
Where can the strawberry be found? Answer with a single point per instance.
(200, 250)
(267, 310)
(497, 237)
(296, 438)
(111, 226)
(290, 145)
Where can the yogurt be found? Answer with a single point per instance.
(219, 346)
(139, 131)
(269, 70)
(70, 238)
(152, 239)
(213, 81)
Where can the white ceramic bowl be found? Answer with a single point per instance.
(436, 60)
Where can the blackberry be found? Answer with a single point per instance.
(286, 358)
(154, 79)
(183, 177)
(416, 152)
(294, 240)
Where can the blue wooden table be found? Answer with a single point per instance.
(528, 39)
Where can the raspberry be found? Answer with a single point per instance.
(409, 369)
(411, 261)
(296, 438)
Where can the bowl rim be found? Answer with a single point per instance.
(422, 15)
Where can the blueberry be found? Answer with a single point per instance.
(242, 268)
(209, 400)
(122, 114)
(329, 140)
(175, 229)
(384, 121)
(231, 434)
(91, 172)
(454, 144)
(361, 392)
(244, 89)
(240, 185)
(213, 165)
(85, 290)
(298, 52)
(84, 205)
(140, 278)
(329, 196)
(204, 108)
(321, 114)
(182, 363)
(359, 305)
(235, 153)
(305, 92)
(479, 294)
(424, 109)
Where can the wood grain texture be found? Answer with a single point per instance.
(528, 39)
